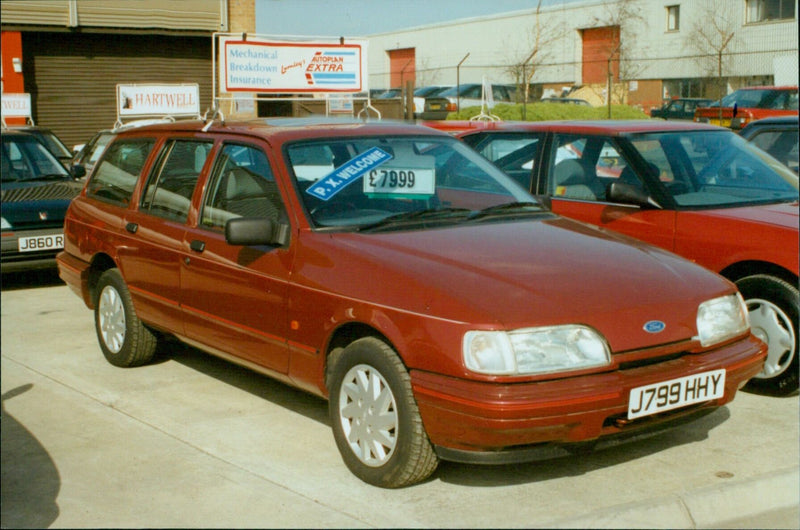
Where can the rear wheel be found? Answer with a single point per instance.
(376, 423)
(772, 304)
(125, 341)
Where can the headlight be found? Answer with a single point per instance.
(5, 225)
(535, 350)
(721, 318)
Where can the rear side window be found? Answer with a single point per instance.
(115, 178)
(169, 189)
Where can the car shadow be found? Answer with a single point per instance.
(580, 463)
(29, 476)
(262, 386)
(14, 281)
(476, 475)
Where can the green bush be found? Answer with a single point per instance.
(553, 111)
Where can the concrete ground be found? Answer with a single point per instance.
(192, 441)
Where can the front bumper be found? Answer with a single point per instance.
(508, 422)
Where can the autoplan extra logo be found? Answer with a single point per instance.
(654, 326)
(332, 68)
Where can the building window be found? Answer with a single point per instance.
(673, 18)
(766, 10)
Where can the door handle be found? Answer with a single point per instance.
(197, 245)
(132, 227)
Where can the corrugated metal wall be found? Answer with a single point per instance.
(72, 78)
(204, 15)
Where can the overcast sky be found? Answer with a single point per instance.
(357, 18)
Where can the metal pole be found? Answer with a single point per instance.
(458, 83)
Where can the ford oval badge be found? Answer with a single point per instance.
(654, 326)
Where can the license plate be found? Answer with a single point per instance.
(435, 106)
(676, 393)
(721, 123)
(34, 243)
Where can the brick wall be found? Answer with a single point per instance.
(242, 16)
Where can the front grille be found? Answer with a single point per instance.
(638, 363)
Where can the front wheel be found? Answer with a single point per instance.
(125, 341)
(772, 304)
(376, 423)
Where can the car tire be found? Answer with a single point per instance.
(125, 341)
(375, 419)
(773, 307)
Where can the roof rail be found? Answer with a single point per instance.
(217, 114)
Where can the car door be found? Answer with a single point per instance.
(152, 260)
(578, 171)
(234, 297)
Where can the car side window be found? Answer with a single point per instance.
(582, 167)
(513, 153)
(115, 178)
(780, 144)
(169, 189)
(242, 185)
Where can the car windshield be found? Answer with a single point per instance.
(401, 182)
(26, 159)
(715, 168)
(55, 145)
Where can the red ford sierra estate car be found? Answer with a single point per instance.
(395, 272)
(697, 190)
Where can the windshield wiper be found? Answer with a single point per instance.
(509, 208)
(416, 216)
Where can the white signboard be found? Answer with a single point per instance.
(271, 66)
(158, 100)
(16, 105)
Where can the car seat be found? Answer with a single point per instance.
(570, 181)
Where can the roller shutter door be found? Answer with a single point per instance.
(598, 45)
(72, 78)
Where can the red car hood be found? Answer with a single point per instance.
(516, 275)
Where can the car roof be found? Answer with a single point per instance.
(606, 127)
(782, 87)
(287, 129)
(775, 120)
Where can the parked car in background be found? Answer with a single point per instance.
(36, 191)
(52, 142)
(428, 105)
(571, 101)
(749, 104)
(777, 136)
(680, 108)
(471, 94)
(390, 93)
(359, 262)
(89, 153)
(697, 190)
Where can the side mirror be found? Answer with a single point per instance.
(627, 194)
(254, 231)
(77, 171)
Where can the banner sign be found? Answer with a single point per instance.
(16, 105)
(347, 173)
(158, 100)
(266, 66)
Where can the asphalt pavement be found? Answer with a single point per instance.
(193, 441)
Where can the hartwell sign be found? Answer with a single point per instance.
(292, 67)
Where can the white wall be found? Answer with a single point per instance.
(495, 42)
